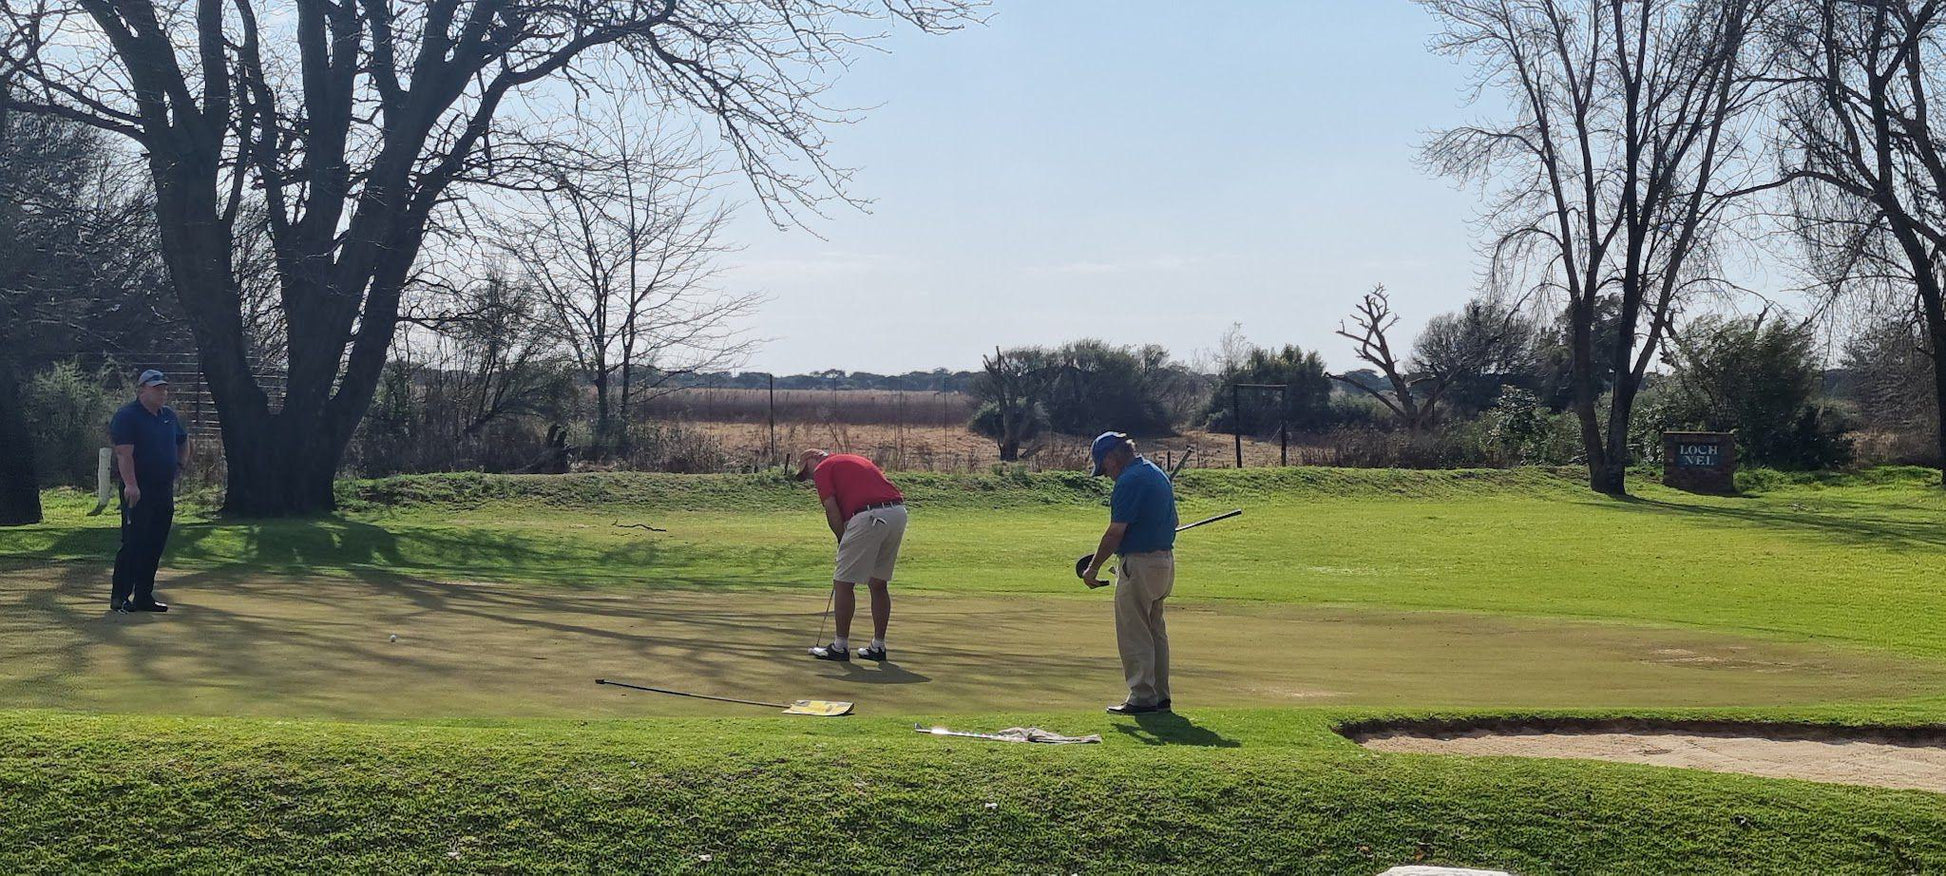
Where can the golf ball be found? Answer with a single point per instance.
(395, 637)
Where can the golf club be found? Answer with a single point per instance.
(829, 598)
(1081, 564)
(815, 708)
(963, 734)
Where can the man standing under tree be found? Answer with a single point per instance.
(1142, 531)
(150, 447)
(867, 514)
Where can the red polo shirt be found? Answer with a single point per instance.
(856, 481)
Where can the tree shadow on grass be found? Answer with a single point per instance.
(341, 545)
(1844, 523)
(1169, 728)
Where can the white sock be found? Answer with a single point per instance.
(878, 644)
(840, 643)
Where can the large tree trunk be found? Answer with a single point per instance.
(279, 466)
(1603, 476)
(1939, 393)
(604, 429)
(20, 495)
(1932, 293)
(1612, 478)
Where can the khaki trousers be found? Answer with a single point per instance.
(1141, 585)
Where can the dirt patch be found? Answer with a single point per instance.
(1905, 758)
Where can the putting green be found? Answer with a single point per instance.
(265, 644)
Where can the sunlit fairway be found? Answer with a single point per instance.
(1336, 596)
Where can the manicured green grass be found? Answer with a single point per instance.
(1855, 561)
(1237, 792)
(1808, 598)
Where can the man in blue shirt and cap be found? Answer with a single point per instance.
(150, 447)
(1142, 531)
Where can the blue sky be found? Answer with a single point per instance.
(1124, 170)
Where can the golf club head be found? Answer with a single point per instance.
(1081, 567)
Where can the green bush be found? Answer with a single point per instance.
(67, 413)
(1520, 427)
(1088, 386)
(1030, 421)
(1306, 399)
(1760, 380)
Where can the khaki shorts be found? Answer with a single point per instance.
(870, 546)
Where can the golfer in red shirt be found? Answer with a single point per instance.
(867, 514)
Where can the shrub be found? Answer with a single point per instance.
(67, 411)
(1759, 380)
(1520, 428)
(1088, 386)
(1306, 399)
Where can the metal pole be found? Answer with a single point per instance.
(772, 416)
(1236, 421)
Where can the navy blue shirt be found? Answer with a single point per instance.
(1145, 501)
(156, 438)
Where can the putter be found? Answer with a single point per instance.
(814, 708)
(829, 600)
(1081, 564)
(963, 734)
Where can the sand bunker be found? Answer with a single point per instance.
(1909, 759)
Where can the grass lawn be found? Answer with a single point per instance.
(272, 723)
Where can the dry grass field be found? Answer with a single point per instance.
(855, 406)
(912, 431)
(954, 449)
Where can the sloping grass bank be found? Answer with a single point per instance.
(1232, 792)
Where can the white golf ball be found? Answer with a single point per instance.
(395, 637)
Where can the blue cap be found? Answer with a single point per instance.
(1106, 443)
(151, 377)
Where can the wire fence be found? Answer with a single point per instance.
(189, 391)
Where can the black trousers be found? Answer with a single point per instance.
(145, 532)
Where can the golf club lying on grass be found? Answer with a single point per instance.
(814, 708)
(1081, 565)
(1012, 734)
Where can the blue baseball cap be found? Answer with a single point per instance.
(1105, 443)
(151, 377)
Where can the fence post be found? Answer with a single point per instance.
(1236, 419)
(1284, 426)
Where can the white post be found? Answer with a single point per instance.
(104, 488)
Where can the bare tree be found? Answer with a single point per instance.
(1858, 134)
(1413, 399)
(355, 121)
(621, 252)
(1013, 386)
(1628, 143)
(492, 347)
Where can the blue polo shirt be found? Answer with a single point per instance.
(1145, 501)
(155, 436)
